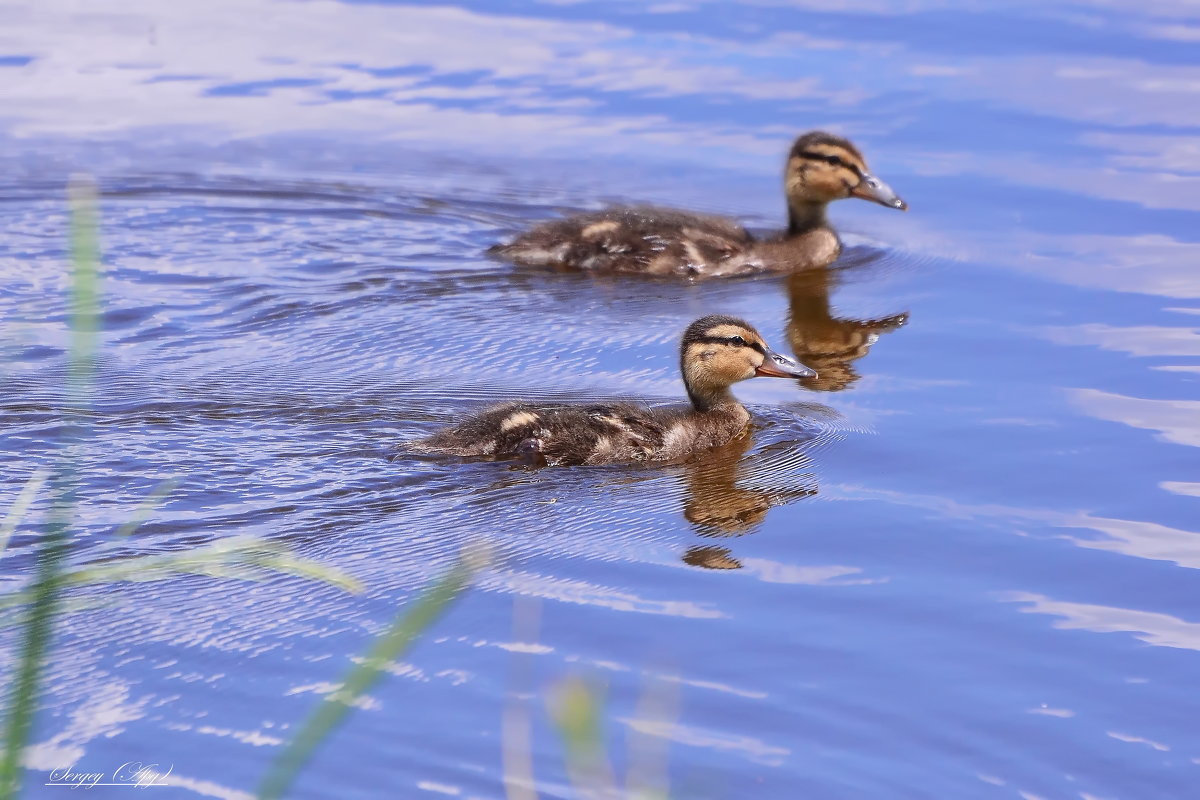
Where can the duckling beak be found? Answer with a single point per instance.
(875, 190)
(777, 366)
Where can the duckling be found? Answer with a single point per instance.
(820, 168)
(716, 352)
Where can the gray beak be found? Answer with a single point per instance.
(777, 366)
(875, 190)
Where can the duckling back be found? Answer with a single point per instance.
(557, 434)
(612, 433)
(646, 240)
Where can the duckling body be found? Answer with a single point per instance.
(595, 434)
(821, 168)
(716, 352)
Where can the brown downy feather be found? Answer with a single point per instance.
(574, 435)
(648, 240)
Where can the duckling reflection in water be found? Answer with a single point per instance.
(821, 168)
(716, 352)
(828, 344)
(717, 507)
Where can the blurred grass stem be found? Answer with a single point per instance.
(392, 644)
(46, 589)
(516, 724)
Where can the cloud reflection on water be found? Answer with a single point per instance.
(1143, 340)
(1162, 630)
(1136, 538)
(439, 74)
(1176, 421)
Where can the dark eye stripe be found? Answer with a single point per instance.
(735, 341)
(836, 161)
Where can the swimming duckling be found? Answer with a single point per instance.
(820, 168)
(716, 352)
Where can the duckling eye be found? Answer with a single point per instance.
(737, 341)
(835, 160)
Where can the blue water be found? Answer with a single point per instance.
(964, 567)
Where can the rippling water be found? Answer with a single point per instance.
(959, 564)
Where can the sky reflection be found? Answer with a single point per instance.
(1162, 630)
(1176, 421)
(426, 73)
(266, 156)
(682, 83)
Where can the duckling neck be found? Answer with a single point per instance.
(716, 400)
(804, 217)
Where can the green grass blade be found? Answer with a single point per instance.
(85, 285)
(577, 709)
(17, 512)
(392, 644)
(239, 557)
(516, 723)
(151, 502)
(52, 553)
(23, 692)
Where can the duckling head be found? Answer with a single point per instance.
(718, 351)
(822, 168)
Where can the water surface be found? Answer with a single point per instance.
(961, 564)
